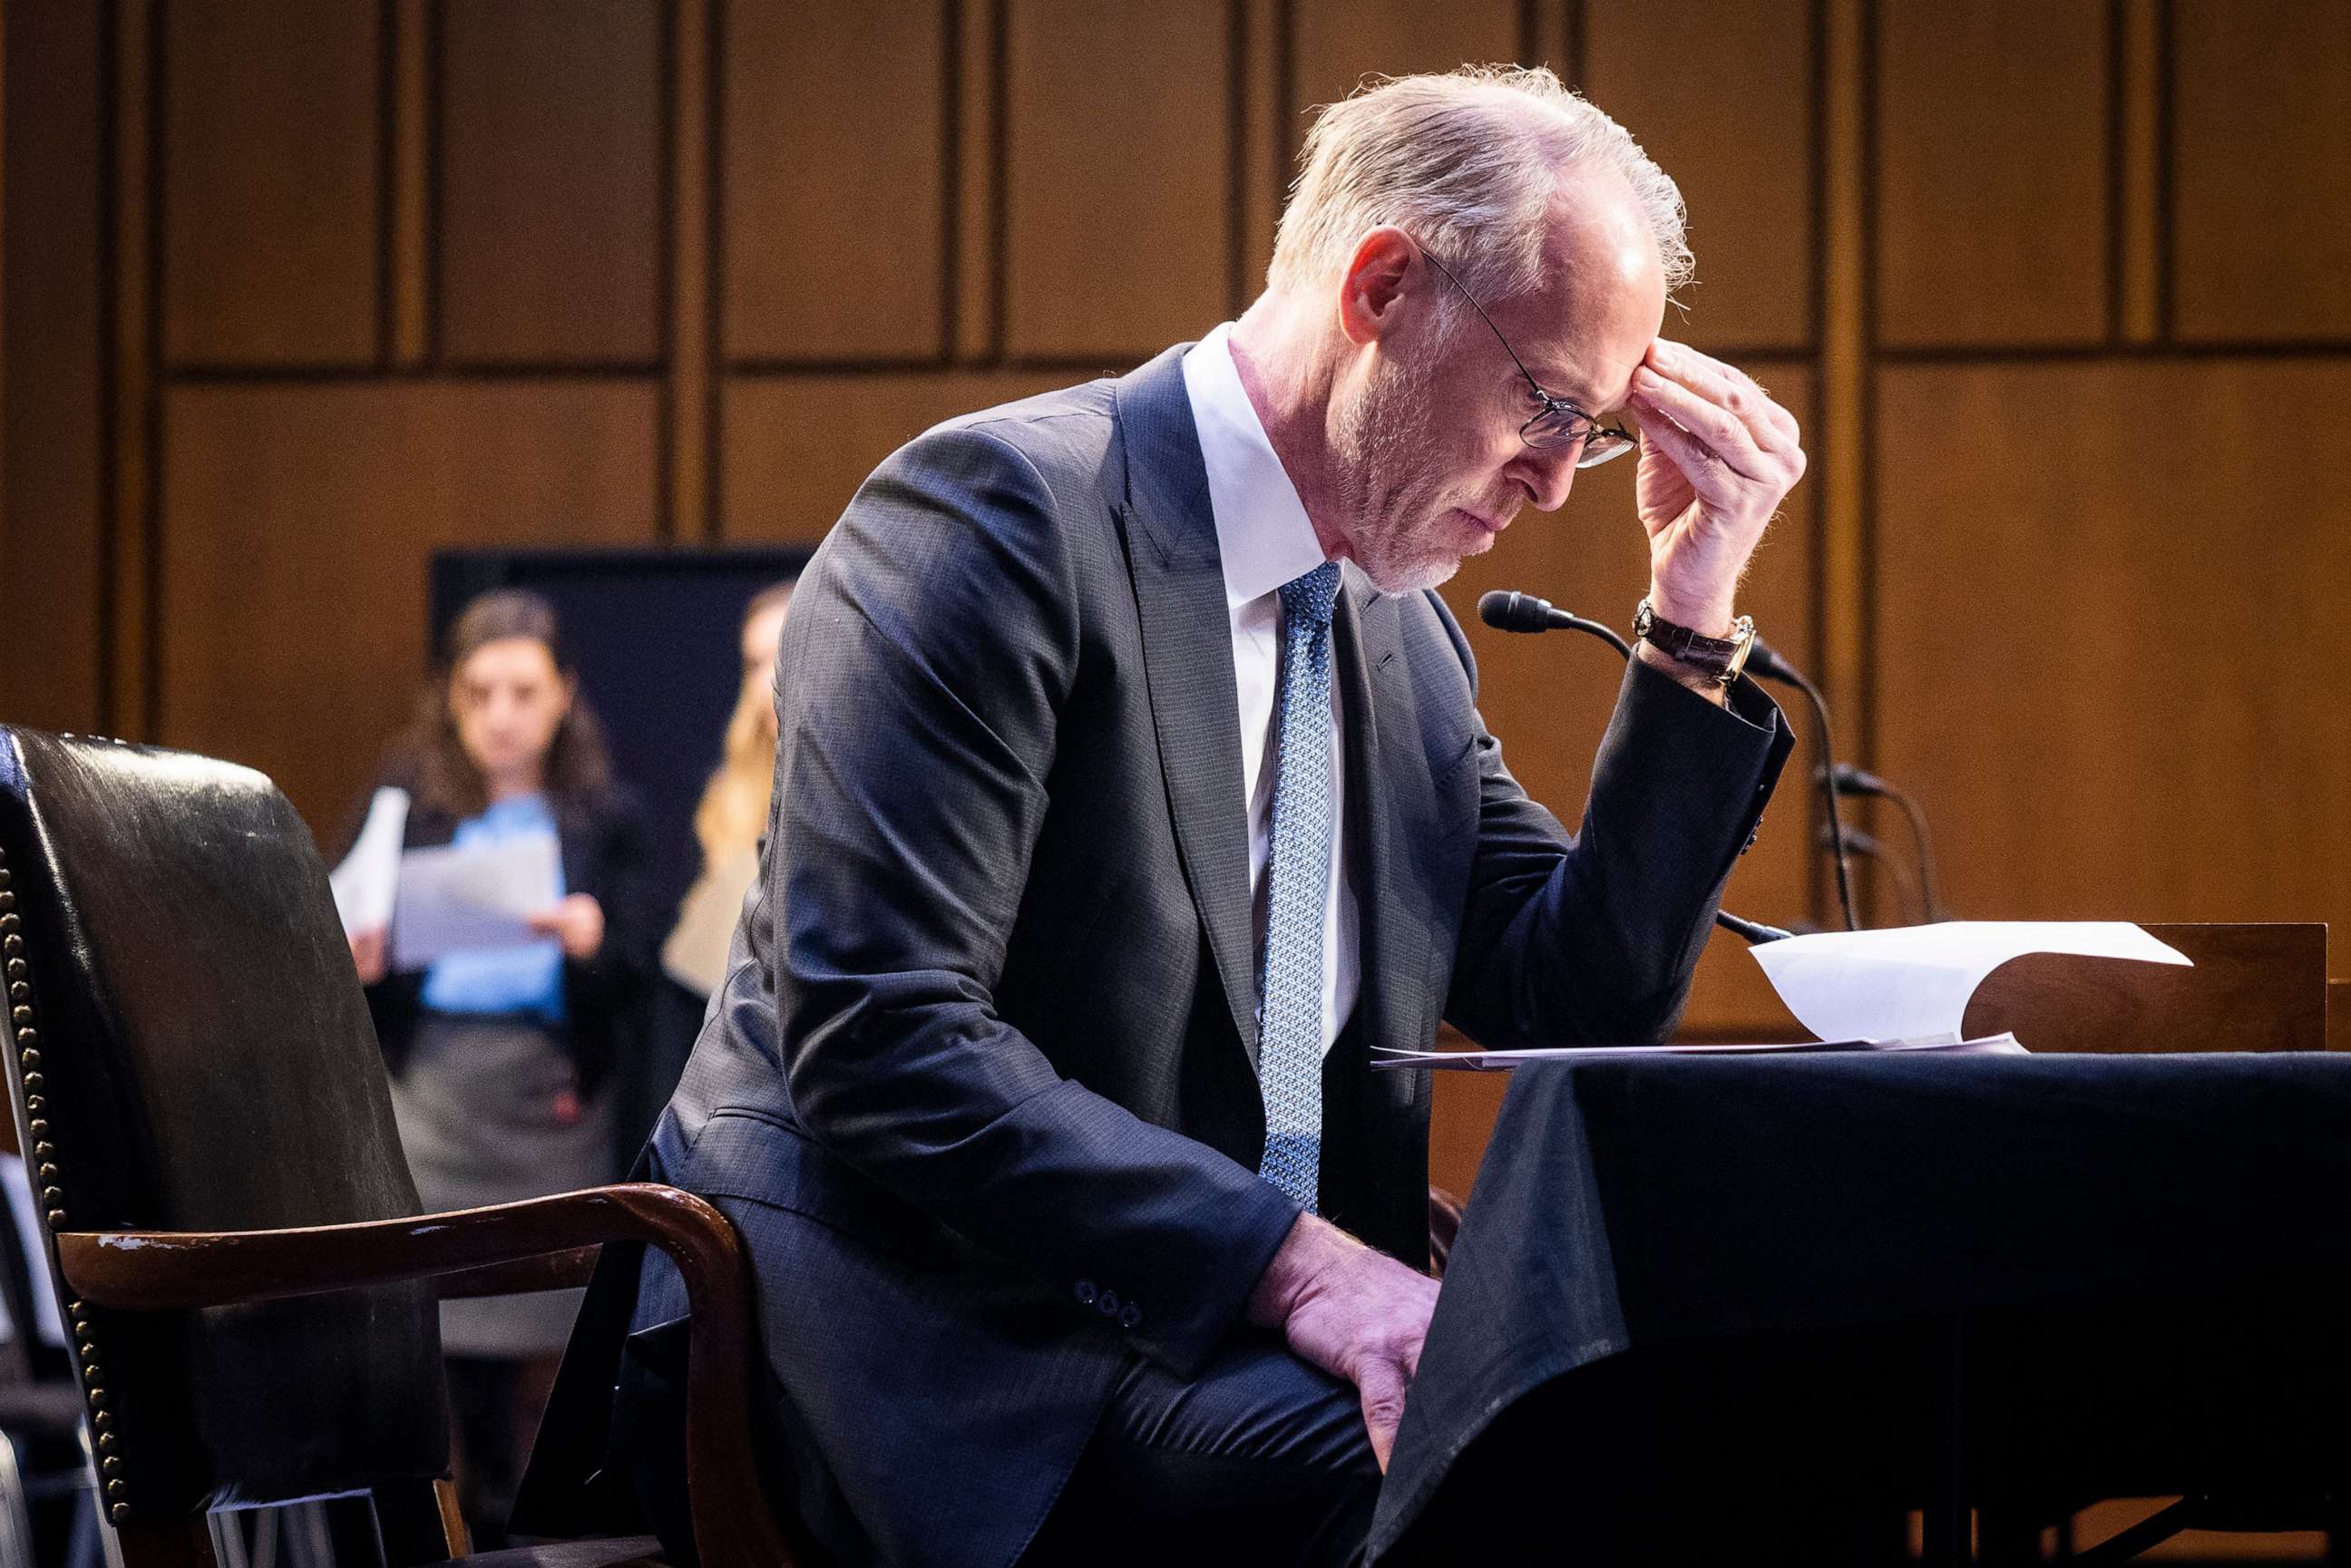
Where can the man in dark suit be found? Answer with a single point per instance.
(1131, 792)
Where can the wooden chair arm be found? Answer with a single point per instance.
(734, 1527)
(548, 1272)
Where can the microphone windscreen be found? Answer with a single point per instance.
(1511, 611)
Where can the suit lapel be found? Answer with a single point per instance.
(1170, 535)
(1385, 776)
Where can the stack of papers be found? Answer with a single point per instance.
(1903, 989)
(1503, 1061)
(445, 900)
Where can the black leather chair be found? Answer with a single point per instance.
(248, 1286)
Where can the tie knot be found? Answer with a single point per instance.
(1309, 598)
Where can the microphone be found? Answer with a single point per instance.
(1864, 843)
(1515, 611)
(1850, 779)
(1772, 664)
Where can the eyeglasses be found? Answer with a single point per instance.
(1559, 424)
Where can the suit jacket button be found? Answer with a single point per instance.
(1107, 1303)
(1130, 1316)
(1084, 1292)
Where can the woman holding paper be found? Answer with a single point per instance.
(518, 840)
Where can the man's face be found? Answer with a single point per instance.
(1425, 442)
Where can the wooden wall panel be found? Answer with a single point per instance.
(300, 519)
(2088, 644)
(551, 186)
(52, 616)
(1118, 133)
(1547, 698)
(1337, 43)
(271, 183)
(1715, 94)
(1991, 166)
(834, 234)
(2263, 203)
(798, 447)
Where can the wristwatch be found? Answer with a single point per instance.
(1722, 657)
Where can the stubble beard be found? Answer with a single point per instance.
(1386, 489)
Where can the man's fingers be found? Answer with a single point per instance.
(1383, 1388)
(1769, 426)
(1717, 428)
(1713, 473)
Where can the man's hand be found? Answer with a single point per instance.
(1716, 458)
(1352, 1312)
(578, 919)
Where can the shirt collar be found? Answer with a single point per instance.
(1263, 535)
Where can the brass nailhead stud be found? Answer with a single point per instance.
(35, 1082)
(48, 1173)
(18, 991)
(118, 1489)
(22, 1018)
(9, 922)
(42, 1151)
(97, 1399)
(31, 1058)
(57, 1219)
(88, 1350)
(28, 1037)
(12, 943)
(35, 1105)
(53, 1196)
(113, 1467)
(17, 970)
(120, 1514)
(40, 1129)
(105, 1425)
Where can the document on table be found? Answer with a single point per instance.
(1503, 1061)
(1915, 981)
(365, 882)
(457, 899)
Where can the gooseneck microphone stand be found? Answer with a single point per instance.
(1508, 612)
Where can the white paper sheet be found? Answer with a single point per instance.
(366, 881)
(1915, 981)
(455, 900)
(1503, 1061)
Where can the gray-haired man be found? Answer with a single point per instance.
(1130, 790)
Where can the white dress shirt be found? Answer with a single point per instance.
(1266, 540)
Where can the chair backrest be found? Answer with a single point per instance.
(191, 1050)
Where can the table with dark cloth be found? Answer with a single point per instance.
(1787, 1290)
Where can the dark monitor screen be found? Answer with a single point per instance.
(657, 638)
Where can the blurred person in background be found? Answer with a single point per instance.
(728, 824)
(733, 813)
(497, 1056)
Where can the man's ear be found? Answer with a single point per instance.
(1384, 270)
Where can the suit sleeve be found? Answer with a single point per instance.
(931, 648)
(1592, 937)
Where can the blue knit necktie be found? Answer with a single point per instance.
(1298, 871)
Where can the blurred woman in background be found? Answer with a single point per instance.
(497, 1056)
(734, 809)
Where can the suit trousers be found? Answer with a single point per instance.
(1261, 1459)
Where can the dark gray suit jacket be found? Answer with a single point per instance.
(980, 1089)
